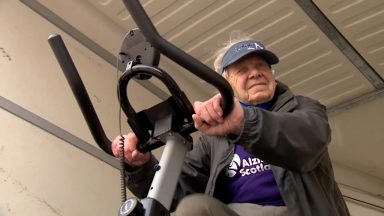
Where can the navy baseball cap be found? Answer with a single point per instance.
(243, 48)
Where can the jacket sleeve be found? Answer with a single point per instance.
(295, 140)
(139, 181)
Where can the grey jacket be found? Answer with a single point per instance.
(292, 136)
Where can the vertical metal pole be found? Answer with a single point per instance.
(165, 181)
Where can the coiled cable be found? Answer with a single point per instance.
(122, 169)
(121, 144)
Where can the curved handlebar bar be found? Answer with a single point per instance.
(149, 125)
(77, 86)
(166, 48)
(179, 56)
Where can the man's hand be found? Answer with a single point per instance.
(132, 156)
(208, 117)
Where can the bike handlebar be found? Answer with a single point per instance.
(163, 46)
(179, 56)
(81, 95)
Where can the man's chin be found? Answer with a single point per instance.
(258, 99)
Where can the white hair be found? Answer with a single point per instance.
(236, 36)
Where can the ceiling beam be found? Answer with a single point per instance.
(57, 132)
(340, 42)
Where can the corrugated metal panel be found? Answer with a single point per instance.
(362, 23)
(310, 63)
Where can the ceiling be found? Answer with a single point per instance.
(331, 50)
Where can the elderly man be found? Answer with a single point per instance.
(269, 156)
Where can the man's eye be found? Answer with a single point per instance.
(261, 65)
(243, 70)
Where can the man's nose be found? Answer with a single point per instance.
(254, 73)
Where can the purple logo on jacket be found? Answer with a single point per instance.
(250, 180)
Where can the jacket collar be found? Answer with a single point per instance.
(285, 99)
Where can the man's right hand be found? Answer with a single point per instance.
(132, 156)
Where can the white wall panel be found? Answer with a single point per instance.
(39, 173)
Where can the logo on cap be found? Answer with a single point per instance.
(243, 48)
(249, 46)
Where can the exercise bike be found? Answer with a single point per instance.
(167, 124)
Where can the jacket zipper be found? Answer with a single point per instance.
(220, 167)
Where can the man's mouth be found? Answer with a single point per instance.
(256, 84)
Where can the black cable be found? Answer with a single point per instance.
(121, 145)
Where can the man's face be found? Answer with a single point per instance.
(252, 80)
